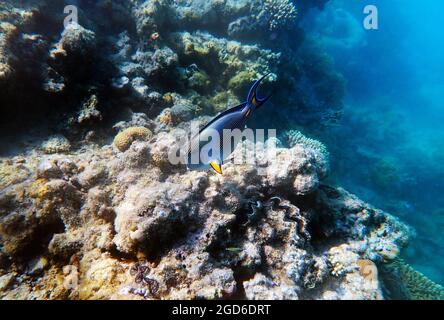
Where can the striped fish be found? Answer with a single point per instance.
(206, 149)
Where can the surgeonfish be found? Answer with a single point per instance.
(234, 118)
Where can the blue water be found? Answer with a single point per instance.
(389, 146)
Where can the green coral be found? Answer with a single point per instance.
(242, 80)
(224, 100)
(199, 81)
(401, 281)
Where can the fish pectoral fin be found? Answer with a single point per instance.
(216, 167)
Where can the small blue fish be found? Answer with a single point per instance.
(234, 118)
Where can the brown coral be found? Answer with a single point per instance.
(125, 138)
(166, 118)
(368, 269)
(168, 99)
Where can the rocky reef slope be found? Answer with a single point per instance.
(139, 54)
(90, 205)
(99, 223)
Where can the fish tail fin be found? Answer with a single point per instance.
(254, 102)
(217, 166)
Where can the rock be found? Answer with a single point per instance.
(219, 283)
(37, 266)
(103, 277)
(160, 152)
(6, 281)
(151, 216)
(64, 246)
(297, 167)
(263, 288)
(94, 174)
(56, 144)
(208, 232)
(49, 169)
(89, 112)
(136, 120)
(71, 280)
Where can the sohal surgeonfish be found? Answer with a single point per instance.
(206, 149)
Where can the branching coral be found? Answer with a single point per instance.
(281, 14)
(294, 137)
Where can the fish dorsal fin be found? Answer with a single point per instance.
(216, 166)
(234, 109)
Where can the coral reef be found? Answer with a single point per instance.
(125, 138)
(280, 13)
(238, 64)
(294, 137)
(401, 281)
(264, 230)
(56, 144)
(123, 65)
(83, 216)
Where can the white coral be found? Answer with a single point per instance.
(281, 13)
